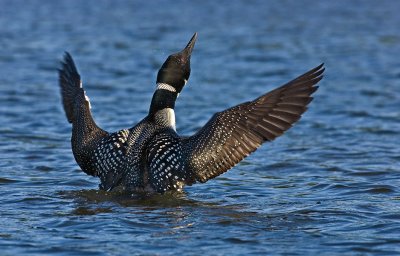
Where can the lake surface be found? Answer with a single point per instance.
(329, 186)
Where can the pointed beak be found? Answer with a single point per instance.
(189, 47)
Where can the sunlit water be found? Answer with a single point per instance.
(328, 186)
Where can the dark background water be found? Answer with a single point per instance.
(328, 186)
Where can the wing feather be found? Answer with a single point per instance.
(231, 135)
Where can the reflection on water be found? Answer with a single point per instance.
(328, 186)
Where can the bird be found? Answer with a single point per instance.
(151, 157)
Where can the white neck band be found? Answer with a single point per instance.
(166, 87)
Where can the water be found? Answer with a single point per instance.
(331, 185)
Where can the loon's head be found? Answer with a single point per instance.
(175, 71)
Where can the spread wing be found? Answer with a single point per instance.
(231, 135)
(70, 85)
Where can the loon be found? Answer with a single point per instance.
(151, 157)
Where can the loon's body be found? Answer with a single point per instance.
(151, 156)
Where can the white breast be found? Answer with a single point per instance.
(166, 117)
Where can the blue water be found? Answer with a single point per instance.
(329, 186)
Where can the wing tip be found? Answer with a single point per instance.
(68, 64)
(67, 56)
(318, 70)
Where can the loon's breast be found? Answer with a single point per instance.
(133, 175)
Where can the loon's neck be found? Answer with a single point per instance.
(163, 104)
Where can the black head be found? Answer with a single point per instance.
(176, 69)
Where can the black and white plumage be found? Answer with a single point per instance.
(151, 156)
